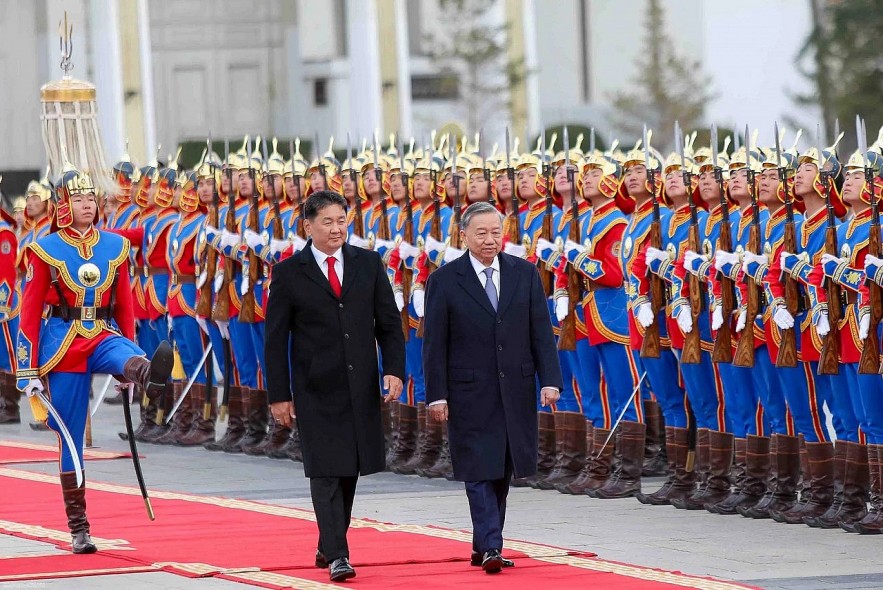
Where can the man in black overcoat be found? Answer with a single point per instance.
(488, 337)
(330, 307)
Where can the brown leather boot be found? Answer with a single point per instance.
(257, 419)
(545, 450)
(147, 412)
(737, 476)
(165, 401)
(872, 523)
(755, 453)
(625, 481)
(655, 460)
(856, 487)
(75, 508)
(183, 418)
(680, 483)
(819, 480)
(235, 422)
(829, 518)
(9, 400)
(151, 375)
(787, 476)
(702, 468)
(406, 442)
(570, 440)
(576, 486)
(442, 467)
(432, 446)
(391, 441)
(202, 429)
(417, 458)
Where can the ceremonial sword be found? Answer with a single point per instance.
(65, 433)
(622, 413)
(180, 400)
(136, 461)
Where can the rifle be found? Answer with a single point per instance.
(745, 347)
(278, 230)
(787, 356)
(567, 336)
(829, 362)
(221, 312)
(723, 343)
(515, 224)
(455, 222)
(434, 227)
(408, 236)
(204, 303)
(383, 230)
(650, 346)
(247, 308)
(294, 148)
(870, 359)
(484, 169)
(546, 277)
(358, 223)
(692, 352)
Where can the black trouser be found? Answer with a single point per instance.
(333, 505)
(487, 505)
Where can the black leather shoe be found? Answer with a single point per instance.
(321, 562)
(476, 560)
(341, 570)
(492, 562)
(81, 542)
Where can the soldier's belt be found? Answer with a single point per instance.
(152, 270)
(81, 313)
(183, 279)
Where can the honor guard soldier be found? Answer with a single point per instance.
(79, 276)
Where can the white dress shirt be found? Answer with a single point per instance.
(482, 278)
(322, 261)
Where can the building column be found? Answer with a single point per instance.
(364, 60)
(146, 62)
(107, 68)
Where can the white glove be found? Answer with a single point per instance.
(685, 319)
(690, 258)
(562, 307)
(722, 257)
(33, 386)
(245, 285)
(570, 246)
(864, 325)
(203, 325)
(127, 389)
(826, 258)
(356, 241)
(219, 281)
(406, 251)
(543, 244)
(645, 315)
(433, 246)
(872, 260)
(253, 239)
(823, 326)
(383, 244)
(418, 298)
(751, 257)
(655, 254)
(299, 243)
(717, 317)
(783, 318)
(200, 280)
(516, 250)
(400, 300)
(224, 328)
(742, 320)
(452, 253)
(211, 232)
(229, 239)
(277, 246)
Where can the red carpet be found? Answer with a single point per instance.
(21, 452)
(273, 546)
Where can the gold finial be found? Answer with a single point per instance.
(579, 142)
(330, 152)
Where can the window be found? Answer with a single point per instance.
(320, 92)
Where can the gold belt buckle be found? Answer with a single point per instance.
(174, 280)
(87, 314)
(146, 271)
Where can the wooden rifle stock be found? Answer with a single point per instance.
(870, 359)
(723, 343)
(787, 356)
(247, 310)
(745, 347)
(435, 233)
(692, 353)
(546, 232)
(567, 336)
(829, 362)
(407, 273)
(204, 303)
(650, 346)
(221, 312)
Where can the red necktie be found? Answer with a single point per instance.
(332, 276)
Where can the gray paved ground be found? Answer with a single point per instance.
(762, 553)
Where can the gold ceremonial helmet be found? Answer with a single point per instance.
(35, 188)
(275, 164)
(332, 166)
(188, 201)
(72, 183)
(296, 165)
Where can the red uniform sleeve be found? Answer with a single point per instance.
(135, 235)
(774, 275)
(124, 310)
(8, 272)
(31, 314)
(561, 280)
(639, 268)
(606, 252)
(422, 269)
